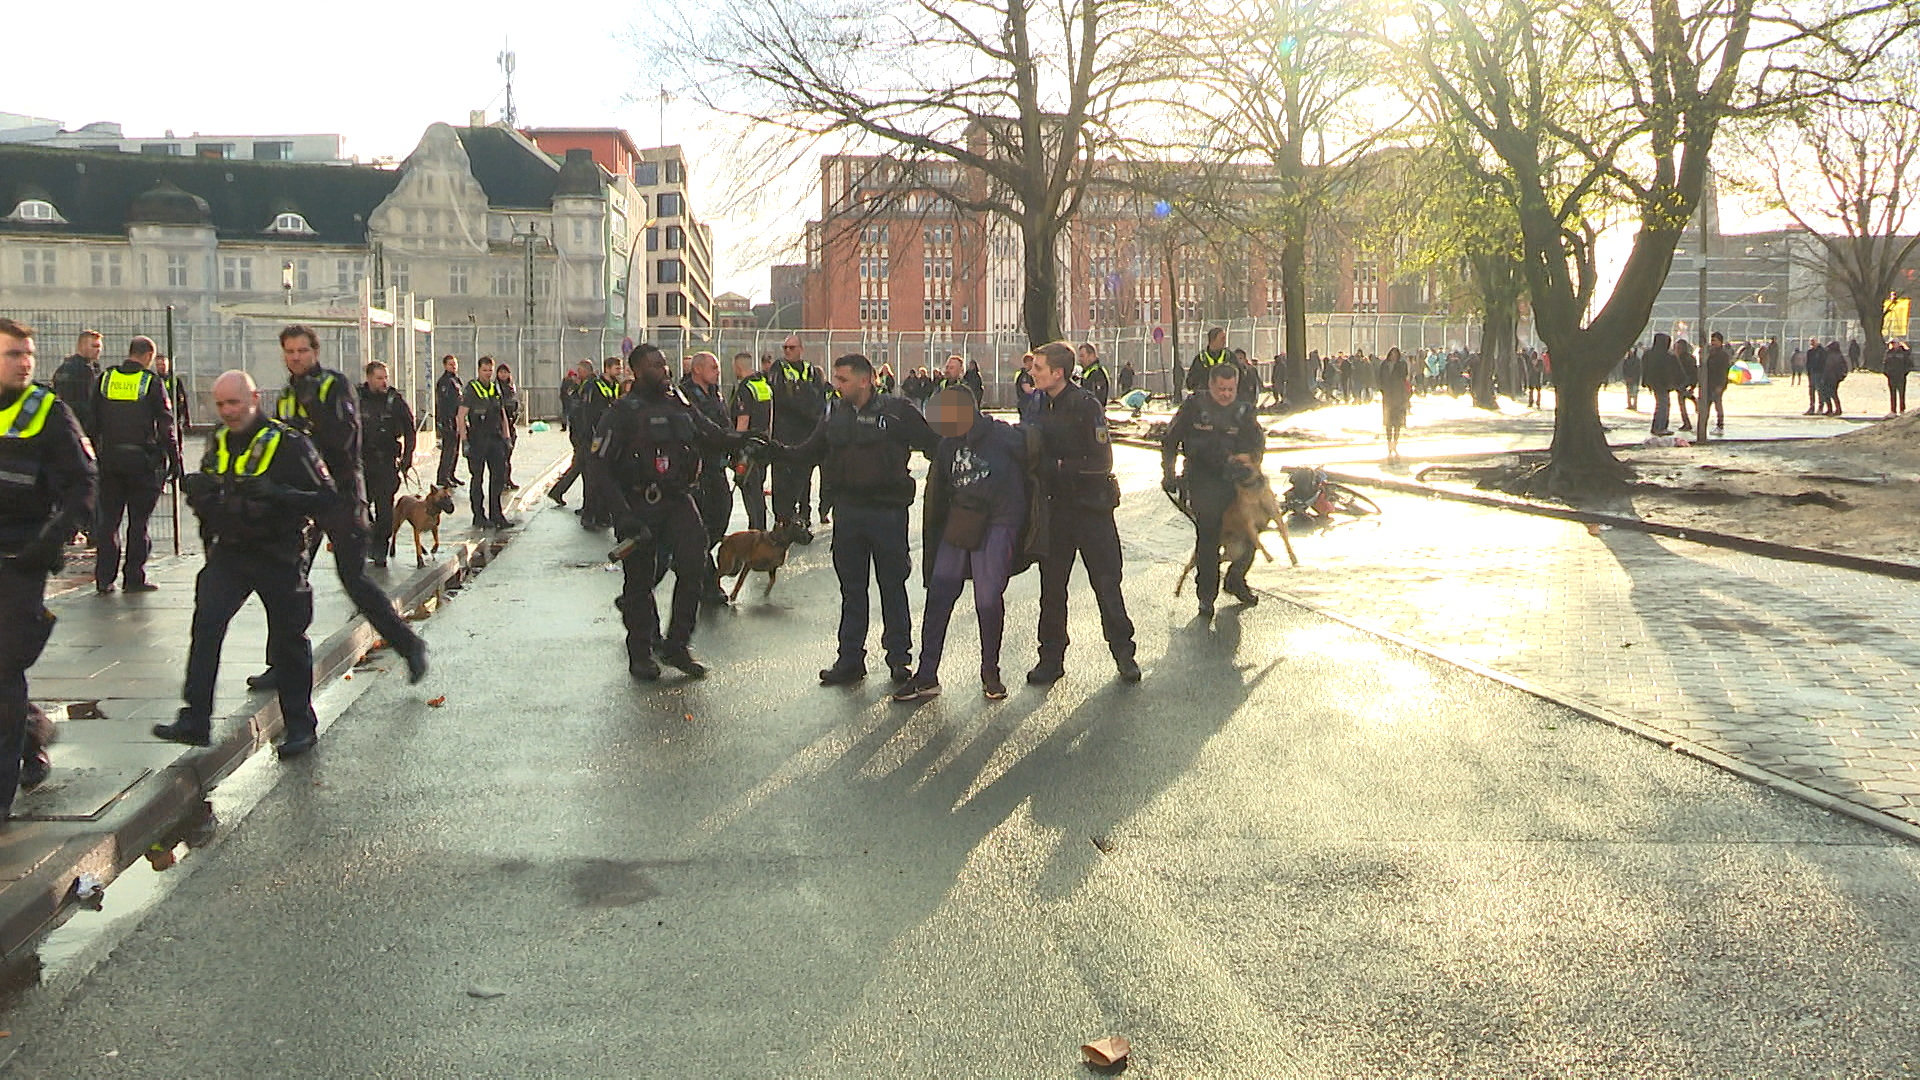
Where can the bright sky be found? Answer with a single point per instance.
(379, 73)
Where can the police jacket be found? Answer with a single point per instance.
(322, 406)
(447, 390)
(510, 401)
(133, 421)
(651, 445)
(386, 431)
(1076, 452)
(709, 405)
(257, 488)
(73, 383)
(1203, 363)
(46, 473)
(180, 399)
(799, 399)
(864, 452)
(1094, 381)
(753, 399)
(597, 395)
(1210, 433)
(486, 406)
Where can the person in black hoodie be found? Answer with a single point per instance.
(1898, 363)
(979, 481)
(1660, 374)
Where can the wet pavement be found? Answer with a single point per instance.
(1295, 849)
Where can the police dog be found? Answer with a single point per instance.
(755, 549)
(423, 513)
(1254, 506)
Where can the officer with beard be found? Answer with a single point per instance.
(648, 452)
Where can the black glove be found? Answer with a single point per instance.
(199, 485)
(45, 554)
(631, 526)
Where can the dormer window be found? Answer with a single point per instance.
(291, 224)
(36, 210)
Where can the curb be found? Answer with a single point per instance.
(1900, 827)
(153, 809)
(1706, 537)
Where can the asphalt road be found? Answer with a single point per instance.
(1293, 850)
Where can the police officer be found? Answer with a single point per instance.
(1215, 354)
(133, 438)
(510, 402)
(799, 401)
(952, 375)
(46, 490)
(597, 395)
(447, 392)
(321, 405)
(259, 482)
(1221, 437)
(714, 496)
(1076, 467)
(864, 442)
(386, 451)
(74, 379)
(648, 452)
(177, 395)
(1093, 377)
(753, 414)
(483, 430)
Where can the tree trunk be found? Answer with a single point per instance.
(1581, 461)
(1040, 306)
(1498, 343)
(1873, 331)
(1293, 309)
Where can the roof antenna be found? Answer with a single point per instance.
(505, 60)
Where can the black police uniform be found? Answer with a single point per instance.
(182, 401)
(596, 396)
(864, 454)
(486, 451)
(713, 495)
(1204, 362)
(1210, 434)
(46, 491)
(133, 438)
(254, 493)
(799, 401)
(73, 383)
(322, 406)
(1094, 381)
(647, 452)
(447, 392)
(387, 443)
(510, 401)
(753, 399)
(1076, 466)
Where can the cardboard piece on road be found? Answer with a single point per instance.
(1111, 1050)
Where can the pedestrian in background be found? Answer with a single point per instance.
(1093, 377)
(1836, 367)
(137, 449)
(1659, 373)
(1898, 363)
(178, 395)
(1396, 388)
(570, 384)
(1815, 365)
(447, 391)
(975, 382)
(713, 495)
(1630, 374)
(1715, 371)
(46, 491)
(510, 404)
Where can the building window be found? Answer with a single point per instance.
(348, 273)
(676, 305)
(106, 269)
(290, 223)
(506, 281)
(675, 174)
(162, 149)
(236, 273)
(579, 232)
(676, 238)
(646, 173)
(402, 277)
(671, 271)
(176, 271)
(35, 210)
(669, 204)
(214, 150)
(36, 267)
(543, 283)
(653, 305)
(457, 279)
(303, 275)
(273, 150)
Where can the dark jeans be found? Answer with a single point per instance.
(792, 491)
(753, 495)
(25, 625)
(1089, 534)
(134, 495)
(1896, 391)
(1662, 410)
(989, 567)
(486, 458)
(678, 535)
(872, 541)
(1211, 497)
(449, 454)
(229, 577)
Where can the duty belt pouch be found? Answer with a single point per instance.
(1098, 492)
(966, 527)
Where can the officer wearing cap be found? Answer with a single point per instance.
(134, 439)
(321, 404)
(1220, 436)
(259, 483)
(648, 451)
(46, 491)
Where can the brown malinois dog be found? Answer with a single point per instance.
(423, 513)
(754, 549)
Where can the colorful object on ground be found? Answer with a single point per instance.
(1748, 373)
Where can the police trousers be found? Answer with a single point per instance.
(677, 536)
(133, 494)
(1210, 497)
(25, 625)
(488, 458)
(1089, 534)
(449, 438)
(871, 541)
(383, 486)
(230, 576)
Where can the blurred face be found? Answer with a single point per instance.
(16, 362)
(299, 354)
(90, 348)
(236, 401)
(854, 388)
(951, 411)
(1223, 391)
(377, 380)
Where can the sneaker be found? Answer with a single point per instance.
(838, 675)
(992, 686)
(917, 689)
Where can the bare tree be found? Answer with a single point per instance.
(1587, 108)
(1025, 96)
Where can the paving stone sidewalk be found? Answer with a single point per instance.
(1808, 672)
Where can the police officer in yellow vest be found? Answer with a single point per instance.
(483, 429)
(259, 483)
(752, 413)
(1204, 361)
(134, 439)
(46, 491)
